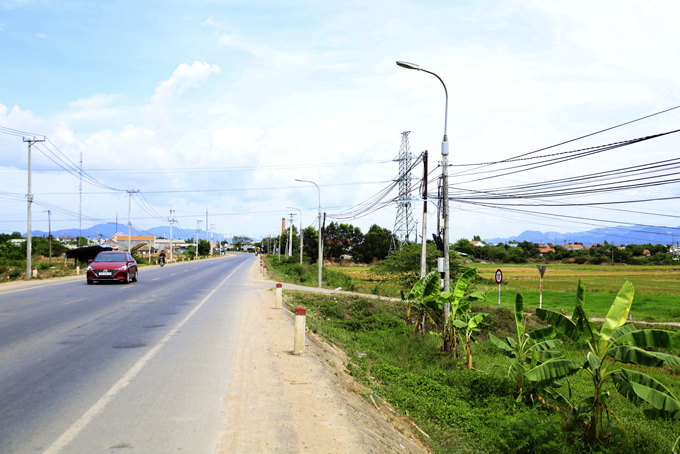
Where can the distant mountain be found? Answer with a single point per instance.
(109, 229)
(620, 235)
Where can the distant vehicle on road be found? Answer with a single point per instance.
(112, 266)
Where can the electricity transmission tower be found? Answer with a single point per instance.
(404, 224)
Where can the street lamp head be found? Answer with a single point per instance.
(407, 65)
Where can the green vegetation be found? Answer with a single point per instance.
(526, 251)
(479, 410)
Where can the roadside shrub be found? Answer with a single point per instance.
(14, 274)
(529, 432)
(44, 266)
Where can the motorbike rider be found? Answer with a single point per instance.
(161, 258)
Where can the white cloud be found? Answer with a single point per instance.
(41, 35)
(185, 76)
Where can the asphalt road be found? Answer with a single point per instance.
(136, 368)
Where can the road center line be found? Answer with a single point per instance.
(155, 279)
(94, 411)
(74, 301)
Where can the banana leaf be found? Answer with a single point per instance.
(461, 285)
(476, 320)
(561, 323)
(519, 315)
(544, 356)
(622, 381)
(512, 342)
(625, 329)
(592, 361)
(580, 316)
(546, 345)
(502, 345)
(650, 338)
(552, 370)
(517, 366)
(668, 360)
(542, 334)
(635, 355)
(657, 399)
(618, 312)
(431, 287)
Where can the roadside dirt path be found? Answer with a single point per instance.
(282, 403)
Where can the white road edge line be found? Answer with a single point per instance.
(77, 427)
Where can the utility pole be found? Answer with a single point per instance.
(212, 228)
(423, 251)
(49, 234)
(198, 230)
(172, 220)
(206, 224)
(130, 192)
(29, 198)
(80, 209)
(290, 237)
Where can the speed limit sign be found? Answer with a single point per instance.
(499, 276)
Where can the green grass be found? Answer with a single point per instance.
(472, 411)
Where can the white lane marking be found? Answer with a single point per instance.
(94, 411)
(36, 286)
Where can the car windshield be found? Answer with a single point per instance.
(110, 258)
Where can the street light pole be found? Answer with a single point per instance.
(320, 246)
(301, 237)
(445, 181)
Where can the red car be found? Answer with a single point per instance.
(112, 266)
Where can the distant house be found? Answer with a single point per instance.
(178, 246)
(120, 241)
(477, 243)
(646, 253)
(543, 250)
(574, 247)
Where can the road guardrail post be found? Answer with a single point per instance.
(300, 324)
(279, 295)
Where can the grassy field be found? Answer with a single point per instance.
(657, 288)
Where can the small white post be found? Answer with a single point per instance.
(35, 273)
(264, 271)
(78, 269)
(279, 295)
(300, 322)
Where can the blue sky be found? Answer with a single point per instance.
(227, 102)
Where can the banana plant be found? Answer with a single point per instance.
(529, 349)
(613, 345)
(423, 299)
(468, 324)
(455, 298)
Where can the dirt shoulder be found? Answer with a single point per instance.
(280, 402)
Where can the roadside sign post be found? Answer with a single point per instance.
(541, 271)
(499, 279)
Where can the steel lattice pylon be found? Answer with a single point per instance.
(404, 224)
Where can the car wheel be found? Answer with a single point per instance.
(127, 277)
(90, 281)
(134, 279)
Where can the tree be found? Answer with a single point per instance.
(203, 247)
(239, 241)
(311, 239)
(375, 245)
(465, 247)
(476, 238)
(404, 265)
